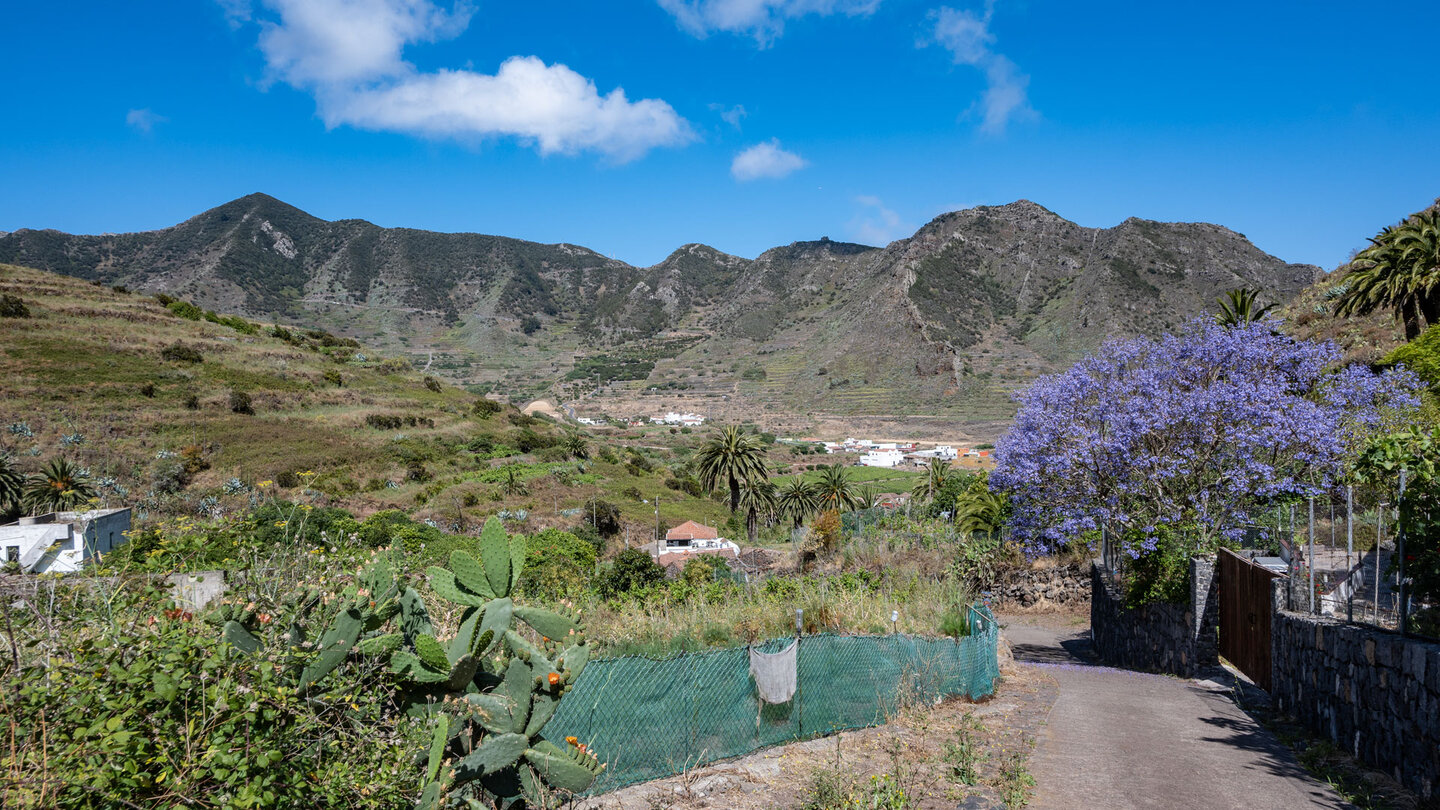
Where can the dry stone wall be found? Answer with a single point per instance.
(1062, 585)
(1374, 693)
(1173, 639)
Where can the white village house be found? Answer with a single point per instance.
(882, 458)
(63, 541)
(691, 538)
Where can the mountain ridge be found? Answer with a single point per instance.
(946, 321)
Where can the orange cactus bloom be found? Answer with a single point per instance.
(572, 740)
(554, 678)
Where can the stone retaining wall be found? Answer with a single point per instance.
(1044, 587)
(1173, 639)
(1375, 694)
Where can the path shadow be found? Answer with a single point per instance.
(1072, 650)
(1269, 753)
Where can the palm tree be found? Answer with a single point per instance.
(1400, 271)
(730, 457)
(1239, 307)
(574, 443)
(937, 475)
(12, 484)
(757, 498)
(980, 510)
(59, 487)
(797, 500)
(868, 497)
(834, 490)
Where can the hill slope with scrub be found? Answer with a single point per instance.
(945, 323)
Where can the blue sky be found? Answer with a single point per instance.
(634, 126)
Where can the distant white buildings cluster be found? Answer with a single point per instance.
(896, 454)
(681, 419)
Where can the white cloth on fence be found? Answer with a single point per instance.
(775, 673)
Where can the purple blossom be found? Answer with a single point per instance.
(1194, 430)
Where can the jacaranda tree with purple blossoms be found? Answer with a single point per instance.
(1172, 444)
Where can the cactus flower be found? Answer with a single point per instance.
(572, 740)
(554, 679)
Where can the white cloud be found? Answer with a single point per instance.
(874, 224)
(144, 120)
(762, 19)
(730, 115)
(349, 54)
(968, 38)
(765, 160)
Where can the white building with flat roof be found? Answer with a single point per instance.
(882, 458)
(62, 541)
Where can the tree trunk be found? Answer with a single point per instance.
(1410, 314)
(1430, 308)
(752, 525)
(734, 494)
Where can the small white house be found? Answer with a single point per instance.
(63, 541)
(882, 458)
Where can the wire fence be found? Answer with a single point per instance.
(1340, 555)
(649, 718)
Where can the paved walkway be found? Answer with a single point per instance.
(1117, 739)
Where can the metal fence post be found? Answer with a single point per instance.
(1400, 555)
(1350, 547)
(1310, 557)
(1379, 535)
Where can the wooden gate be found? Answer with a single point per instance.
(1245, 609)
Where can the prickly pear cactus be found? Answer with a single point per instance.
(365, 608)
(499, 687)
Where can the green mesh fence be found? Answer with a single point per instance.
(651, 718)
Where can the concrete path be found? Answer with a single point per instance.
(1117, 739)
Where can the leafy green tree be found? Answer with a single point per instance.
(1399, 271)
(834, 489)
(796, 500)
(730, 457)
(58, 487)
(633, 569)
(937, 474)
(757, 500)
(1241, 306)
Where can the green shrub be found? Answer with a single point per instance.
(180, 353)
(432, 384)
(287, 479)
(485, 408)
(11, 306)
(185, 309)
(603, 516)
(146, 705)
(631, 570)
(1421, 355)
(164, 300)
(333, 377)
(528, 441)
(241, 403)
(148, 390)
